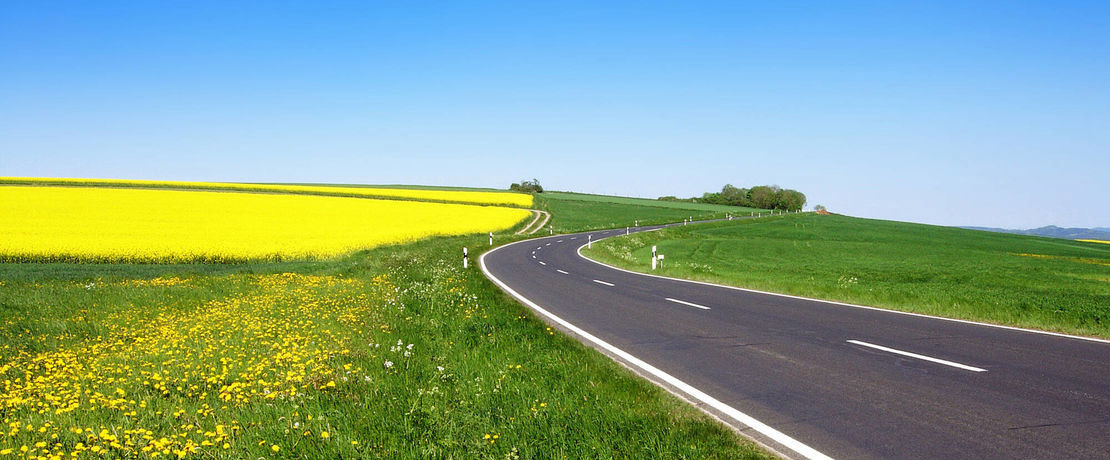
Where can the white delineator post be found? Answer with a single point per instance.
(491, 238)
(653, 248)
(589, 241)
(464, 258)
(550, 230)
(626, 230)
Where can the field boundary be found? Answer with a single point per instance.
(845, 304)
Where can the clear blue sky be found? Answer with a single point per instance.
(954, 113)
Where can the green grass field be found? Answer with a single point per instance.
(395, 352)
(1044, 283)
(571, 212)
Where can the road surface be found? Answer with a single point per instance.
(820, 379)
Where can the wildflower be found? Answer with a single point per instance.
(275, 448)
(324, 434)
(388, 364)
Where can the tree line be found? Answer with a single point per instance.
(760, 196)
(527, 186)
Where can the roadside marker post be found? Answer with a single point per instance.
(653, 250)
(660, 260)
(626, 230)
(637, 222)
(464, 258)
(589, 241)
(491, 238)
(550, 230)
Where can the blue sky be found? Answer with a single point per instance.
(960, 113)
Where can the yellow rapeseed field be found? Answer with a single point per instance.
(126, 224)
(1095, 241)
(454, 196)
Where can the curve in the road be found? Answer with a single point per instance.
(814, 378)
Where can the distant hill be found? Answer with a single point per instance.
(1052, 231)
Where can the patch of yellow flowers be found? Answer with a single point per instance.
(172, 380)
(453, 196)
(128, 224)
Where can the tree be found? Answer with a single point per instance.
(790, 200)
(527, 186)
(731, 195)
(763, 196)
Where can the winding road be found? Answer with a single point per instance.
(816, 379)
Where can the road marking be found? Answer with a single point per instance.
(676, 386)
(563, 272)
(560, 241)
(703, 307)
(543, 263)
(922, 357)
(574, 237)
(602, 282)
(541, 247)
(548, 244)
(533, 256)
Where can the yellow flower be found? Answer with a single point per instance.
(126, 224)
(324, 434)
(275, 447)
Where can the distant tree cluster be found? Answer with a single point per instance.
(527, 186)
(760, 196)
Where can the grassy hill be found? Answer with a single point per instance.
(580, 211)
(1027, 281)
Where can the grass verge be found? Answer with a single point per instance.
(1043, 283)
(395, 352)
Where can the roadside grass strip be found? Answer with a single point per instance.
(396, 352)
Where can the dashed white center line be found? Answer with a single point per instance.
(560, 241)
(602, 282)
(542, 262)
(691, 304)
(548, 244)
(533, 256)
(915, 355)
(563, 272)
(541, 247)
(574, 237)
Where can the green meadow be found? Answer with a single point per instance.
(1043, 283)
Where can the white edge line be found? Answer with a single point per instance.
(703, 307)
(742, 418)
(561, 271)
(603, 282)
(922, 357)
(865, 307)
(542, 262)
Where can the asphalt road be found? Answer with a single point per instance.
(813, 379)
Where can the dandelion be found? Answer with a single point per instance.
(275, 448)
(324, 435)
